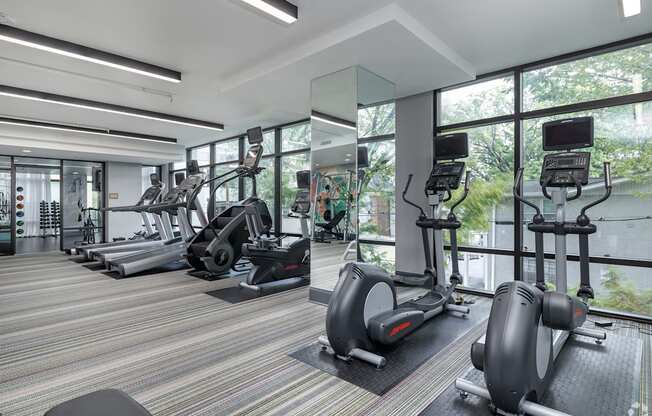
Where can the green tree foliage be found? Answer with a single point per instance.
(623, 135)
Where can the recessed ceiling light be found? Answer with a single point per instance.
(84, 53)
(280, 9)
(347, 160)
(27, 151)
(105, 107)
(75, 173)
(630, 8)
(349, 155)
(316, 164)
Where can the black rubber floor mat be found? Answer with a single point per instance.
(78, 259)
(589, 380)
(233, 294)
(95, 267)
(402, 360)
(210, 277)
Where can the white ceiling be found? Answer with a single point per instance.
(244, 69)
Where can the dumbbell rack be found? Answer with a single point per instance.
(49, 219)
(4, 207)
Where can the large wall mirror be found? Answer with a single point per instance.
(338, 168)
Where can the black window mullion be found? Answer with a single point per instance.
(241, 151)
(518, 163)
(211, 200)
(278, 183)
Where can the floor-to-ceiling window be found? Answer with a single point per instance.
(503, 114)
(286, 149)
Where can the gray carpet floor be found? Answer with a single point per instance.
(66, 331)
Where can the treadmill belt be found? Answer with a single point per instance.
(589, 380)
(405, 357)
(233, 294)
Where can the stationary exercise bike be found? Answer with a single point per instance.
(529, 324)
(276, 267)
(363, 313)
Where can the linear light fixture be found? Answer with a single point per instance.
(280, 9)
(84, 53)
(335, 121)
(108, 108)
(85, 130)
(630, 8)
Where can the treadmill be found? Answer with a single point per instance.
(150, 196)
(164, 225)
(172, 250)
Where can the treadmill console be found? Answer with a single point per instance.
(445, 176)
(562, 170)
(151, 193)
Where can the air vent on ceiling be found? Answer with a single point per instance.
(325, 142)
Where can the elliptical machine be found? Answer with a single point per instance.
(363, 312)
(276, 268)
(529, 325)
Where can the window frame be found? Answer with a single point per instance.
(518, 117)
(276, 157)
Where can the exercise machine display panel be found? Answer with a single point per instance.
(303, 179)
(562, 170)
(451, 146)
(445, 176)
(252, 158)
(568, 134)
(255, 135)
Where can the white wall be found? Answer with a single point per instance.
(125, 180)
(414, 134)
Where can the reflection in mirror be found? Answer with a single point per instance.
(338, 165)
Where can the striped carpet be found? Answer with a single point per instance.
(66, 331)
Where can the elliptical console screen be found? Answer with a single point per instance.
(451, 146)
(568, 134)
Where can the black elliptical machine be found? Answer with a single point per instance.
(217, 248)
(363, 314)
(275, 267)
(530, 324)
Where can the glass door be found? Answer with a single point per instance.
(82, 195)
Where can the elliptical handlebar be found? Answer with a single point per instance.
(195, 194)
(467, 184)
(516, 191)
(407, 201)
(608, 187)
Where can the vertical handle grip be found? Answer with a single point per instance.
(607, 174)
(467, 181)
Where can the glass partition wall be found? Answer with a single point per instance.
(43, 203)
(503, 113)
